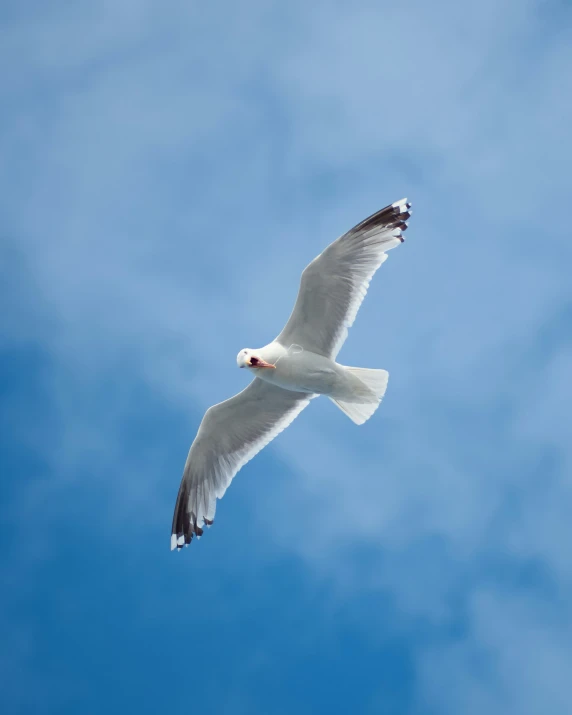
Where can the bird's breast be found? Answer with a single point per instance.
(302, 372)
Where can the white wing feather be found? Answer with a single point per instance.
(231, 434)
(335, 283)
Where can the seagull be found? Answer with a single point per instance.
(297, 366)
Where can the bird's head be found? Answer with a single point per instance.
(250, 358)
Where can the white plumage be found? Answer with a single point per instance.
(295, 367)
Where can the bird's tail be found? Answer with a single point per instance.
(366, 401)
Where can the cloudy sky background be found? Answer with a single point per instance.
(168, 169)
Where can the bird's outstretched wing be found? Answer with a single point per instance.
(229, 436)
(334, 284)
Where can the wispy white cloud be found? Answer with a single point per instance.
(160, 160)
(498, 668)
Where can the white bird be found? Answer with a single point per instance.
(295, 367)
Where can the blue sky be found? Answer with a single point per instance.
(168, 170)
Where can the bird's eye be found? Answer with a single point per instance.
(253, 361)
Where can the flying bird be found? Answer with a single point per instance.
(295, 367)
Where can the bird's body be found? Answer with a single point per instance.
(298, 365)
(302, 370)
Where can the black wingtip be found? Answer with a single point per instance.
(185, 524)
(390, 218)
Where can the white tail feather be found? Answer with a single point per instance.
(376, 381)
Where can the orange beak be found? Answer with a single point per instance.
(263, 363)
